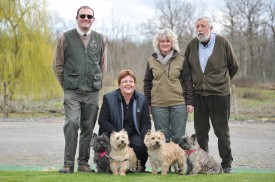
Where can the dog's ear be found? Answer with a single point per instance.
(123, 130)
(92, 142)
(194, 137)
(113, 132)
(148, 132)
(161, 131)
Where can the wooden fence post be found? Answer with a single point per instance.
(234, 99)
(6, 108)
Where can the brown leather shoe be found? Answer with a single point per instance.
(67, 169)
(86, 169)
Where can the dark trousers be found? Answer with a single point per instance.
(136, 142)
(81, 113)
(217, 108)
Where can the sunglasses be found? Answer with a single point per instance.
(82, 16)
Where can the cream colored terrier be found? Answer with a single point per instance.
(164, 155)
(122, 157)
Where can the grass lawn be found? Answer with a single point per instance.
(77, 176)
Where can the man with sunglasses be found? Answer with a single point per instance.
(80, 63)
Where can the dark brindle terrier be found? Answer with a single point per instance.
(101, 146)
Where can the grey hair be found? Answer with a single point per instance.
(165, 33)
(208, 19)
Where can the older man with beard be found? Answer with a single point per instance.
(213, 64)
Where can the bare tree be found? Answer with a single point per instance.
(270, 7)
(113, 32)
(270, 10)
(231, 21)
(174, 14)
(246, 26)
(252, 14)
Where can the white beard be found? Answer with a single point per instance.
(203, 37)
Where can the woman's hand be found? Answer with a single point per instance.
(190, 109)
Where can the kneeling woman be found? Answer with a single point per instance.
(126, 108)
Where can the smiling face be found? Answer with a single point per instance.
(85, 22)
(203, 29)
(127, 85)
(165, 45)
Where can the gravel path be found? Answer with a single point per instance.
(41, 142)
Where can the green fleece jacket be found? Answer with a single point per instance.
(221, 67)
(170, 84)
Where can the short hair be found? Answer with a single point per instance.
(208, 19)
(84, 7)
(124, 73)
(166, 32)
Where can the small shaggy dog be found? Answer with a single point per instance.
(101, 146)
(201, 162)
(164, 155)
(122, 157)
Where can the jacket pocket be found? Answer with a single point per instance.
(97, 81)
(71, 81)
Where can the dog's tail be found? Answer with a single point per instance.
(138, 169)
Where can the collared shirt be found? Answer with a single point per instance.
(128, 121)
(206, 51)
(82, 33)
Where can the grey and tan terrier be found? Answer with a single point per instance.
(200, 161)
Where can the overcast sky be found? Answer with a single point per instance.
(136, 11)
(133, 12)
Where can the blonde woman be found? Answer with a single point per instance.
(168, 86)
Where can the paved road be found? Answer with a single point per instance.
(40, 142)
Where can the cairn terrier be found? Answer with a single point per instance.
(164, 155)
(101, 146)
(122, 157)
(200, 161)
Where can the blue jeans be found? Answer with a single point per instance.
(170, 120)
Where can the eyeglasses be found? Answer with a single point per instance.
(82, 16)
(127, 81)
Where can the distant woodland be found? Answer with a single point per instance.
(28, 35)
